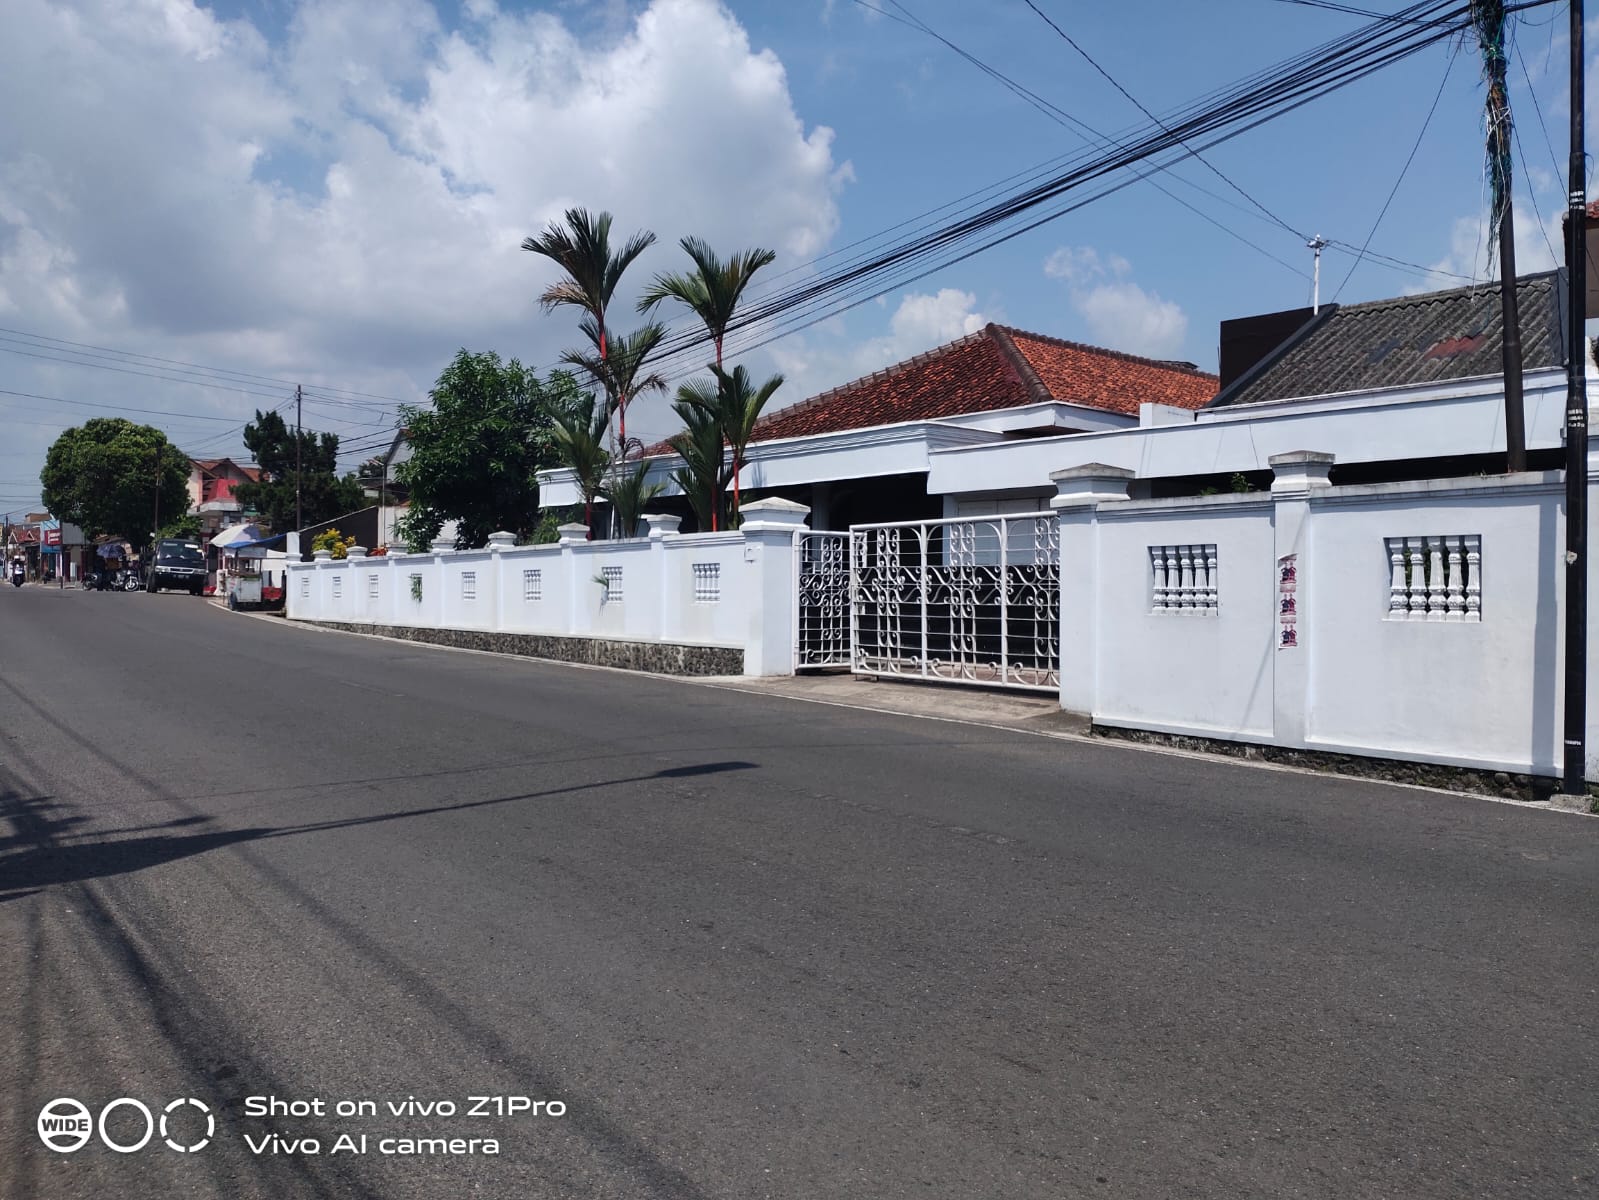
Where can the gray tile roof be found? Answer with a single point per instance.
(1428, 338)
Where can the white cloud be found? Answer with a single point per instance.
(1468, 257)
(348, 203)
(1119, 314)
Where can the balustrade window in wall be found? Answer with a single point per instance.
(1183, 579)
(1435, 577)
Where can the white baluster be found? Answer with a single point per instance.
(1417, 558)
(1157, 562)
(1473, 578)
(1210, 580)
(1396, 589)
(1457, 590)
(1437, 602)
(1185, 559)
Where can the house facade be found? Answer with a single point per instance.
(211, 486)
(864, 451)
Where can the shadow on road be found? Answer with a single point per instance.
(43, 850)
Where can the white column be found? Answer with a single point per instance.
(664, 617)
(499, 587)
(573, 535)
(772, 584)
(1299, 475)
(1079, 492)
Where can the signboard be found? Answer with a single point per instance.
(52, 537)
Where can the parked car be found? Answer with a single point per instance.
(176, 564)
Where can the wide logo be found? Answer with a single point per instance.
(66, 1125)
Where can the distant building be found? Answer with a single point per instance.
(211, 485)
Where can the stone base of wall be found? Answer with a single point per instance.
(1529, 788)
(661, 658)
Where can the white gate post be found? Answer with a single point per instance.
(1079, 491)
(771, 584)
(1298, 474)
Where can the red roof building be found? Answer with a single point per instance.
(860, 452)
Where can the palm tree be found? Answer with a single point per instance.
(735, 404)
(712, 290)
(619, 373)
(580, 441)
(701, 477)
(628, 494)
(583, 250)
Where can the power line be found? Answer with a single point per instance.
(1214, 170)
(1235, 110)
(177, 362)
(1449, 67)
(1061, 117)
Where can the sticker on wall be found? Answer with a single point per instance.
(1288, 601)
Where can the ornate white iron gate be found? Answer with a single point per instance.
(971, 600)
(821, 631)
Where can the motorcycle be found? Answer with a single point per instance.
(131, 581)
(17, 575)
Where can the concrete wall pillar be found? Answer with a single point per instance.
(771, 586)
(1298, 475)
(1079, 492)
(573, 535)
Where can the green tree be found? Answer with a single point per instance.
(582, 248)
(324, 494)
(703, 475)
(580, 443)
(108, 474)
(712, 290)
(476, 451)
(734, 404)
(184, 525)
(620, 373)
(629, 495)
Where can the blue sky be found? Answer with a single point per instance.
(332, 191)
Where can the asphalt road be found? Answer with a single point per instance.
(755, 947)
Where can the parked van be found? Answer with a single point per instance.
(177, 563)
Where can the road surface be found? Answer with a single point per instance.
(689, 942)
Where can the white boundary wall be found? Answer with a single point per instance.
(1425, 618)
(733, 590)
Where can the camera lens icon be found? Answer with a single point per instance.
(65, 1125)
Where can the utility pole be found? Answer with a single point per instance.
(1573, 777)
(155, 526)
(1488, 16)
(1316, 243)
(299, 519)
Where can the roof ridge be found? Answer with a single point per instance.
(1450, 293)
(1164, 364)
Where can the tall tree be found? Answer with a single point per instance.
(734, 404)
(476, 451)
(582, 248)
(580, 442)
(712, 290)
(620, 373)
(703, 475)
(110, 476)
(323, 492)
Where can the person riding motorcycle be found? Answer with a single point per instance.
(18, 572)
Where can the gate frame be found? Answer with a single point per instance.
(921, 530)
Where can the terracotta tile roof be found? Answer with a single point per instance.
(996, 367)
(1098, 378)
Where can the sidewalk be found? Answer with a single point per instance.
(1037, 712)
